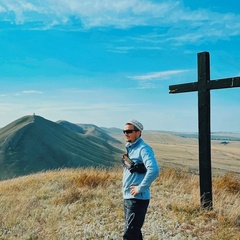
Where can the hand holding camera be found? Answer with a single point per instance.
(131, 166)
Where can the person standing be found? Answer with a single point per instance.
(140, 170)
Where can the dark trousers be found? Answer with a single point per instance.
(134, 211)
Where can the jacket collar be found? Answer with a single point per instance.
(134, 143)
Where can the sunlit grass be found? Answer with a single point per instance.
(87, 204)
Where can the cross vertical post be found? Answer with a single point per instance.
(204, 127)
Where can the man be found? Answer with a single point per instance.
(140, 170)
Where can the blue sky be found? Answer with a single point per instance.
(107, 61)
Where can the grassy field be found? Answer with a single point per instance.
(87, 204)
(172, 150)
(69, 204)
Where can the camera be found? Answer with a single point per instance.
(131, 166)
(138, 167)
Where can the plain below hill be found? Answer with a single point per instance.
(33, 144)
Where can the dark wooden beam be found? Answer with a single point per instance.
(204, 131)
(185, 87)
(213, 84)
(224, 83)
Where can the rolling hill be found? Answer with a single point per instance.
(32, 144)
(90, 130)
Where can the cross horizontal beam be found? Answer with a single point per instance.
(185, 87)
(213, 84)
(224, 83)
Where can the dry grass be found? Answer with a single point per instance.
(184, 152)
(87, 204)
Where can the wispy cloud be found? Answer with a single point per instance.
(28, 92)
(119, 14)
(126, 49)
(151, 80)
(91, 13)
(31, 92)
(157, 75)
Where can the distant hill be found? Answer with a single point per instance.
(90, 130)
(227, 136)
(32, 144)
(223, 136)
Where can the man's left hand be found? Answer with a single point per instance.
(134, 190)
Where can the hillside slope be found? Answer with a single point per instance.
(32, 144)
(91, 130)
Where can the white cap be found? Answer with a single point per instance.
(136, 124)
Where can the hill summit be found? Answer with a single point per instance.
(32, 144)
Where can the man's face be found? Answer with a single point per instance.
(130, 134)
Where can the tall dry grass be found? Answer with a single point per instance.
(87, 204)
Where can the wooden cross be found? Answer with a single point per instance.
(203, 86)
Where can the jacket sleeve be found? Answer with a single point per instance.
(151, 165)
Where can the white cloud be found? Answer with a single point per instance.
(118, 13)
(181, 25)
(92, 12)
(151, 80)
(31, 92)
(157, 75)
(26, 92)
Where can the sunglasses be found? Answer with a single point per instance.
(129, 131)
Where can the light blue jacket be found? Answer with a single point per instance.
(140, 152)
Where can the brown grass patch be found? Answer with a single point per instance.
(87, 204)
